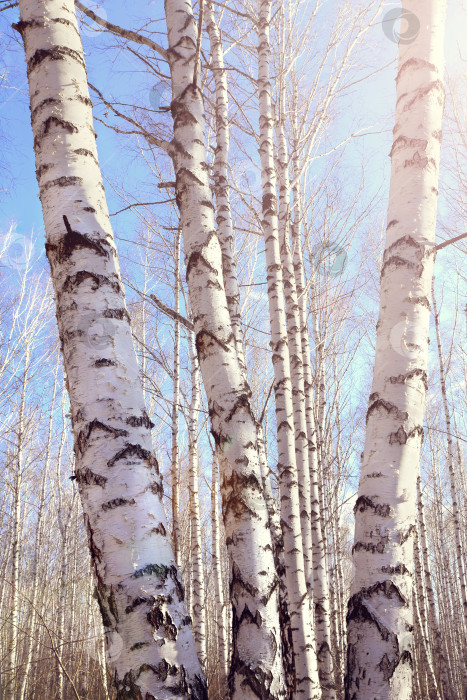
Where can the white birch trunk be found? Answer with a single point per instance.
(310, 533)
(278, 548)
(422, 655)
(256, 654)
(451, 465)
(198, 592)
(380, 644)
(221, 182)
(176, 410)
(138, 588)
(221, 616)
(62, 598)
(321, 599)
(38, 543)
(304, 644)
(420, 620)
(13, 677)
(433, 626)
(295, 350)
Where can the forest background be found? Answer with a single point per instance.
(346, 178)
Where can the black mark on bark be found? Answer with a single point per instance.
(388, 407)
(56, 53)
(363, 503)
(116, 502)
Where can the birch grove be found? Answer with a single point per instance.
(197, 498)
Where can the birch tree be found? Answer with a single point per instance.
(380, 643)
(451, 459)
(306, 669)
(61, 639)
(176, 410)
(256, 653)
(198, 586)
(138, 587)
(221, 604)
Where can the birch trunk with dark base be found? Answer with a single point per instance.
(256, 668)
(278, 549)
(138, 587)
(380, 644)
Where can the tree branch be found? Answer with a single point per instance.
(266, 402)
(171, 313)
(451, 240)
(153, 140)
(119, 31)
(142, 204)
(8, 7)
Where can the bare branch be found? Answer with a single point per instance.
(171, 313)
(119, 31)
(150, 138)
(444, 244)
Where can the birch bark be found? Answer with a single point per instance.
(306, 667)
(198, 592)
(256, 669)
(310, 533)
(434, 631)
(138, 588)
(63, 524)
(14, 677)
(380, 645)
(221, 616)
(176, 410)
(278, 549)
(295, 349)
(422, 663)
(321, 598)
(451, 462)
(221, 182)
(38, 543)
